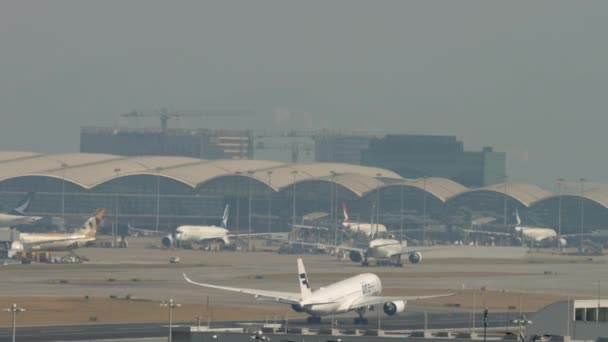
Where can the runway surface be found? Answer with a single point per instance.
(409, 321)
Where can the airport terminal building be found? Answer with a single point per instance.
(162, 192)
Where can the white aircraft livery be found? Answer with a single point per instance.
(537, 235)
(368, 229)
(533, 236)
(360, 294)
(203, 234)
(46, 242)
(17, 215)
(199, 234)
(382, 252)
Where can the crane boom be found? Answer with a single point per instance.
(164, 114)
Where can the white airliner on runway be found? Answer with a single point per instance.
(360, 294)
(381, 251)
(369, 229)
(203, 234)
(17, 216)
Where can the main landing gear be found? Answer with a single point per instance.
(360, 320)
(313, 320)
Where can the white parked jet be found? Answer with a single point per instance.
(532, 236)
(17, 216)
(46, 242)
(199, 234)
(360, 294)
(537, 235)
(185, 235)
(368, 229)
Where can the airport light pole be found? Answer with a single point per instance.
(504, 214)
(560, 182)
(14, 309)
(158, 169)
(238, 201)
(582, 184)
(64, 166)
(115, 226)
(599, 298)
(170, 305)
(378, 176)
(401, 211)
(424, 209)
(269, 173)
(485, 324)
(293, 214)
(250, 174)
(332, 203)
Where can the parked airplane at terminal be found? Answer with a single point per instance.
(185, 235)
(369, 229)
(17, 215)
(46, 242)
(360, 294)
(537, 235)
(530, 235)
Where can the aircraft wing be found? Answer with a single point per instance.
(322, 245)
(379, 300)
(486, 232)
(255, 234)
(303, 226)
(282, 297)
(28, 246)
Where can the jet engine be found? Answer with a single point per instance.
(392, 308)
(356, 256)
(167, 241)
(415, 257)
(297, 307)
(17, 246)
(563, 242)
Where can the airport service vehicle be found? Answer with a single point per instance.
(186, 235)
(360, 294)
(369, 229)
(47, 242)
(17, 216)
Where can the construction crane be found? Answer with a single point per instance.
(164, 114)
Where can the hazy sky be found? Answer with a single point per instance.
(527, 77)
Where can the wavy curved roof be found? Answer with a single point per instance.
(359, 184)
(89, 170)
(284, 176)
(440, 188)
(598, 195)
(525, 193)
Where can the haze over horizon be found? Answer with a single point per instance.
(527, 78)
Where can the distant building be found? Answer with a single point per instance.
(341, 148)
(293, 149)
(196, 143)
(415, 156)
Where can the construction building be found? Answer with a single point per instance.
(195, 143)
(415, 156)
